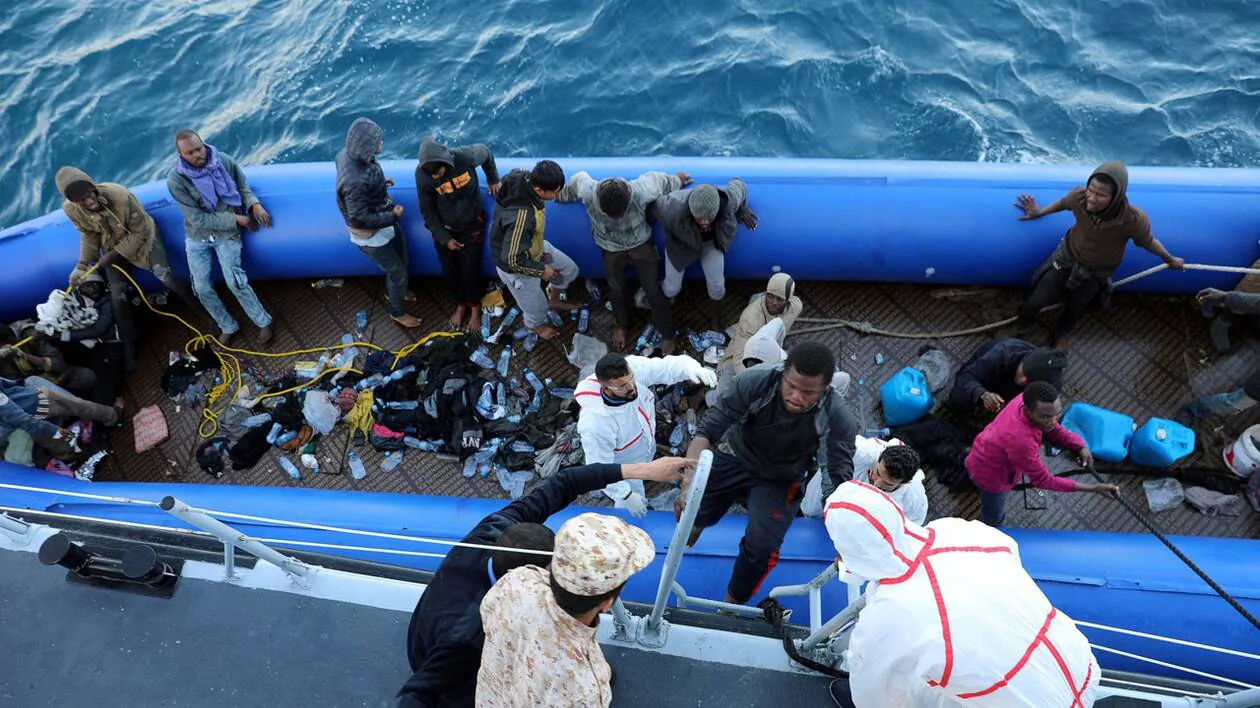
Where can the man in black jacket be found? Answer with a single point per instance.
(371, 216)
(999, 371)
(450, 202)
(767, 426)
(445, 636)
(523, 257)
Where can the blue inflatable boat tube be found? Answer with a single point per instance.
(893, 221)
(1124, 581)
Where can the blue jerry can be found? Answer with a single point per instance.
(1160, 443)
(1106, 432)
(905, 397)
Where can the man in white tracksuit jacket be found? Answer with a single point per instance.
(617, 422)
(952, 618)
(910, 494)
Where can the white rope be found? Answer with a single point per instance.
(1170, 640)
(79, 495)
(1167, 665)
(282, 542)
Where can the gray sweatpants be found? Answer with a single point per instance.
(528, 292)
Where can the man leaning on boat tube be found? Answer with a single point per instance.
(951, 616)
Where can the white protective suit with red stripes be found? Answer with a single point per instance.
(626, 434)
(953, 618)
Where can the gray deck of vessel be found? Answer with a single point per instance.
(221, 645)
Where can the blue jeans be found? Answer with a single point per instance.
(992, 507)
(201, 267)
(392, 258)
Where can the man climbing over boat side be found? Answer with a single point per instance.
(619, 222)
(700, 226)
(372, 217)
(114, 227)
(999, 371)
(1009, 449)
(32, 405)
(540, 623)
(617, 418)
(216, 202)
(445, 637)
(1223, 306)
(522, 256)
(889, 465)
(1078, 272)
(454, 213)
(952, 618)
(767, 427)
(778, 301)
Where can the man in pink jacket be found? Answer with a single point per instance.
(1009, 449)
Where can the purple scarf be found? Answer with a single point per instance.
(212, 181)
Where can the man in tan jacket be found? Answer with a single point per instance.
(113, 225)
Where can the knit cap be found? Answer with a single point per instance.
(704, 202)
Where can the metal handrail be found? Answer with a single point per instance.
(813, 589)
(678, 544)
(19, 531)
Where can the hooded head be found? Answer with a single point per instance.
(871, 533)
(766, 344)
(77, 187)
(93, 285)
(779, 292)
(704, 203)
(435, 158)
(363, 140)
(1106, 191)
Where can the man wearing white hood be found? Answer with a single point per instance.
(951, 617)
(765, 346)
(617, 422)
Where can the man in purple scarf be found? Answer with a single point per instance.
(217, 203)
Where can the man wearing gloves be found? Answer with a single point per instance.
(618, 212)
(952, 618)
(617, 422)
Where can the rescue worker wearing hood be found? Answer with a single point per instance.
(1078, 272)
(454, 213)
(951, 617)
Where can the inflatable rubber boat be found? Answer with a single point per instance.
(903, 222)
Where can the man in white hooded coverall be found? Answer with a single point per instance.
(951, 617)
(617, 422)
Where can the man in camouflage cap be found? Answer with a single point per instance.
(540, 624)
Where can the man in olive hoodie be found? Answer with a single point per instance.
(1079, 270)
(217, 203)
(453, 211)
(700, 226)
(523, 258)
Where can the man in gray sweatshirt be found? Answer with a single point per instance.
(618, 213)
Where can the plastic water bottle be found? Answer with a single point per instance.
(881, 433)
(370, 382)
(422, 445)
(485, 327)
(563, 393)
(554, 319)
(485, 403)
(584, 320)
(392, 460)
(310, 462)
(361, 320)
(328, 283)
(508, 320)
(880, 358)
(531, 342)
(394, 376)
(692, 423)
(402, 405)
(287, 437)
(291, 468)
(357, 470)
(275, 433)
(505, 360)
(256, 420)
(521, 333)
(533, 380)
(481, 357)
(521, 446)
(593, 290)
(677, 437)
(345, 358)
(645, 338)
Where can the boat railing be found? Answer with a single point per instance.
(827, 641)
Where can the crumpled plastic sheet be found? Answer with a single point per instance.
(1163, 494)
(1210, 503)
(585, 353)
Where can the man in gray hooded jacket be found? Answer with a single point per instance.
(618, 212)
(371, 215)
(700, 226)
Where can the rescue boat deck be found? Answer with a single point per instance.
(1145, 356)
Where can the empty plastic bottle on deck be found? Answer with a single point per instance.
(521, 333)
(392, 460)
(677, 437)
(422, 445)
(584, 320)
(361, 320)
(394, 376)
(328, 283)
(593, 290)
(357, 470)
(508, 320)
(554, 319)
(485, 327)
(310, 462)
(256, 420)
(290, 468)
(645, 338)
(275, 433)
(881, 433)
(481, 357)
(291, 435)
(505, 360)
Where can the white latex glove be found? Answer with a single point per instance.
(708, 377)
(635, 504)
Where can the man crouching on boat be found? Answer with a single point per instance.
(617, 421)
(1078, 271)
(445, 637)
(951, 616)
(767, 426)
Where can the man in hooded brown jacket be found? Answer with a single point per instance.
(1079, 270)
(113, 225)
